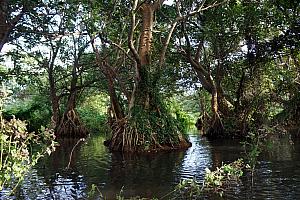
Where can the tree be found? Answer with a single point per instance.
(13, 18)
(206, 46)
(211, 44)
(143, 122)
(59, 47)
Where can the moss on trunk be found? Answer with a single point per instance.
(147, 129)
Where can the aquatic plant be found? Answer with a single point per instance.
(220, 178)
(253, 146)
(215, 181)
(120, 196)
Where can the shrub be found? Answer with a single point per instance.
(16, 155)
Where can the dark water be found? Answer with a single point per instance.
(57, 177)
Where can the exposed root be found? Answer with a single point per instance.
(70, 126)
(156, 143)
(203, 123)
(127, 138)
(216, 129)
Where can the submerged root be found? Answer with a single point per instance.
(70, 126)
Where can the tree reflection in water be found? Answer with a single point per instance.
(154, 175)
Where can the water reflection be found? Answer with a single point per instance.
(224, 151)
(196, 159)
(277, 175)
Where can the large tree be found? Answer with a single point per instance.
(60, 48)
(140, 118)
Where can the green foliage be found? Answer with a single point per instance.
(253, 146)
(188, 189)
(93, 112)
(35, 110)
(93, 192)
(214, 181)
(185, 119)
(164, 122)
(261, 90)
(3, 73)
(159, 124)
(16, 155)
(221, 176)
(120, 196)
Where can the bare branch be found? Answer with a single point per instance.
(198, 52)
(203, 75)
(123, 50)
(182, 18)
(202, 8)
(131, 31)
(165, 47)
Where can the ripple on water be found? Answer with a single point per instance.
(155, 175)
(196, 159)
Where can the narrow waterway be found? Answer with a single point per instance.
(59, 177)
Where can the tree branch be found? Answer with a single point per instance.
(198, 52)
(131, 31)
(165, 47)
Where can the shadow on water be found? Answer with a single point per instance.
(277, 175)
(52, 179)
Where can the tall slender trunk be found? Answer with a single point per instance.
(214, 101)
(146, 36)
(3, 24)
(141, 92)
(71, 104)
(54, 103)
(70, 124)
(73, 90)
(115, 105)
(53, 93)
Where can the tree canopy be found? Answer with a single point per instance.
(237, 60)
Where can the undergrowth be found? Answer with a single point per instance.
(16, 152)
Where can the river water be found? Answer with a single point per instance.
(70, 176)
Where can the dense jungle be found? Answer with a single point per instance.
(149, 99)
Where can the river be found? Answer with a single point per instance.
(58, 177)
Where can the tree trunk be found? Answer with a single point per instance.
(146, 36)
(3, 25)
(55, 108)
(115, 105)
(148, 125)
(216, 129)
(218, 101)
(54, 99)
(116, 108)
(70, 124)
(7, 24)
(141, 92)
(212, 85)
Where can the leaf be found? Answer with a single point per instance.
(207, 170)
